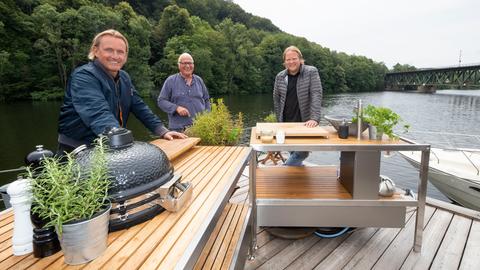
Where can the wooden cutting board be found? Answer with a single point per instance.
(294, 129)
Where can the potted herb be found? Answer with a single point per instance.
(217, 127)
(75, 201)
(383, 120)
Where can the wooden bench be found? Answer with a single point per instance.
(169, 240)
(227, 246)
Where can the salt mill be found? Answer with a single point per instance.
(359, 120)
(21, 199)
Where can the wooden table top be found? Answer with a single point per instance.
(169, 239)
(331, 138)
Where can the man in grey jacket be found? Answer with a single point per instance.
(297, 96)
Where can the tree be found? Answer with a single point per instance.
(402, 68)
(16, 31)
(175, 21)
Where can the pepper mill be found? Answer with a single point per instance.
(21, 199)
(343, 130)
(45, 239)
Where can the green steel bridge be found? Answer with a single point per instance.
(427, 80)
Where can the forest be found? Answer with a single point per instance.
(235, 52)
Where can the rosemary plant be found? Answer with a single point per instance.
(63, 192)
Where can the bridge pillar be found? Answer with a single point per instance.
(426, 89)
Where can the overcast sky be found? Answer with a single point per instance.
(423, 33)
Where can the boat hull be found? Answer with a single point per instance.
(463, 191)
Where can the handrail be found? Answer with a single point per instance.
(23, 168)
(438, 159)
(478, 171)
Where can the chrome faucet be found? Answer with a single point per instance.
(359, 120)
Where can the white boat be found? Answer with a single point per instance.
(455, 172)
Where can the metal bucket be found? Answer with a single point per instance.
(85, 240)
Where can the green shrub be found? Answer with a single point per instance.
(217, 127)
(271, 118)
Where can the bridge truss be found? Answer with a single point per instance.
(462, 77)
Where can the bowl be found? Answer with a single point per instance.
(336, 121)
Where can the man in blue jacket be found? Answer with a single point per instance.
(100, 96)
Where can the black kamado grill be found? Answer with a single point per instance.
(143, 180)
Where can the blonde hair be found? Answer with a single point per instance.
(294, 49)
(96, 41)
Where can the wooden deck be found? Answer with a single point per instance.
(451, 240)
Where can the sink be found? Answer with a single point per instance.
(336, 121)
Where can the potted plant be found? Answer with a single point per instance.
(382, 120)
(75, 201)
(217, 127)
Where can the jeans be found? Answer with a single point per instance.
(296, 158)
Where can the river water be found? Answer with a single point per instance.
(449, 118)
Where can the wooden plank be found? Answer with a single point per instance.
(263, 237)
(176, 147)
(293, 129)
(471, 255)
(290, 253)
(457, 209)
(45, 262)
(269, 250)
(232, 246)
(7, 213)
(211, 156)
(123, 245)
(195, 153)
(300, 183)
(450, 253)
(212, 256)
(212, 240)
(227, 175)
(432, 238)
(7, 237)
(400, 247)
(56, 261)
(347, 249)
(8, 261)
(374, 248)
(7, 227)
(317, 253)
(239, 196)
(60, 263)
(222, 252)
(26, 262)
(331, 140)
(6, 221)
